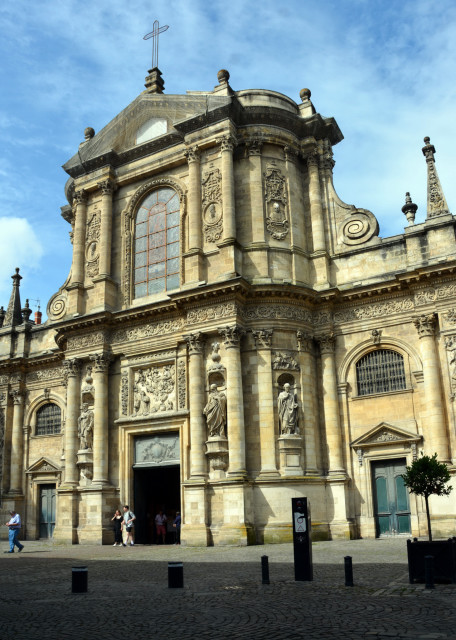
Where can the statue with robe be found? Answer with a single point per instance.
(288, 410)
(215, 412)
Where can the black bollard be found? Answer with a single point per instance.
(348, 571)
(175, 575)
(264, 570)
(429, 572)
(79, 577)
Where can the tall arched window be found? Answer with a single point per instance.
(48, 420)
(380, 371)
(157, 247)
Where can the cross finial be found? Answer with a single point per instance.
(154, 35)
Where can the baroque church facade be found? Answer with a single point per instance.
(231, 335)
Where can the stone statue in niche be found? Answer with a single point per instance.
(85, 428)
(215, 412)
(288, 410)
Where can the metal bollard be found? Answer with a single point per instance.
(429, 572)
(348, 571)
(175, 575)
(264, 570)
(79, 580)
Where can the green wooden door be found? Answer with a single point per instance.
(47, 510)
(391, 503)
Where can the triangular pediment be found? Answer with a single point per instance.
(44, 465)
(385, 433)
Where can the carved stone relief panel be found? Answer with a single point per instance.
(450, 345)
(212, 205)
(181, 384)
(159, 450)
(275, 195)
(282, 360)
(154, 390)
(92, 243)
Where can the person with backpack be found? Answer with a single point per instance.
(129, 518)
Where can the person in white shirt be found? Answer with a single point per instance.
(129, 519)
(14, 525)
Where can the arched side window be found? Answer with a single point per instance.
(380, 371)
(48, 420)
(157, 246)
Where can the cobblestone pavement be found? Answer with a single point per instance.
(128, 595)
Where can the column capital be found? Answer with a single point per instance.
(72, 367)
(195, 343)
(263, 338)
(80, 197)
(101, 361)
(107, 187)
(192, 153)
(305, 341)
(231, 336)
(17, 396)
(312, 159)
(254, 147)
(227, 143)
(327, 343)
(425, 324)
(290, 153)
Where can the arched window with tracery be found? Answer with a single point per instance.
(48, 420)
(380, 371)
(157, 243)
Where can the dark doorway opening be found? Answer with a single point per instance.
(155, 489)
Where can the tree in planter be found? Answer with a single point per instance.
(426, 476)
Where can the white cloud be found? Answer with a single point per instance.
(19, 245)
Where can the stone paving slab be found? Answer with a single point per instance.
(128, 595)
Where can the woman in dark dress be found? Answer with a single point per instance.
(117, 521)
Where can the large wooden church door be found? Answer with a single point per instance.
(47, 510)
(391, 502)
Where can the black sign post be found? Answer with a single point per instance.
(302, 539)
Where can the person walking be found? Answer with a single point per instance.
(14, 525)
(117, 521)
(160, 524)
(129, 518)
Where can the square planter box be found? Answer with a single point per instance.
(444, 552)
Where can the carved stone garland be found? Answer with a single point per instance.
(211, 188)
(275, 196)
(92, 244)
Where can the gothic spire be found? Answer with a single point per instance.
(13, 314)
(436, 203)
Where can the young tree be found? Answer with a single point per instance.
(427, 476)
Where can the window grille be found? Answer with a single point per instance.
(157, 238)
(380, 371)
(48, 420)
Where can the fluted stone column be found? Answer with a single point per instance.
(263, 341)
(229, 214)
(331, 404)
(235, 400)
(194, 199)
(434, 425)
(107, 188)
(316, 209)
(100, 418)
(73, 371)
(198, 430)
(309, 399)
(77, 269)
(17, 443)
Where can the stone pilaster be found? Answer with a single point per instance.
(434, 425)
(77, 268)
(17, 443)
(73, 371)
(198, 464)
(258, 247)
(235, 400)
(263, 342)
(193, 255)
(331, 406)
(319, 255)
(306, 361)
(107, 189)
(229, 214)
(101, 363)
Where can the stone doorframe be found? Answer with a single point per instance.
(43, 471)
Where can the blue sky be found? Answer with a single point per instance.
(384, 70)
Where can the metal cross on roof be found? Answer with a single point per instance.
(154, 35)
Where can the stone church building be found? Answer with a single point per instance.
(231, 335)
